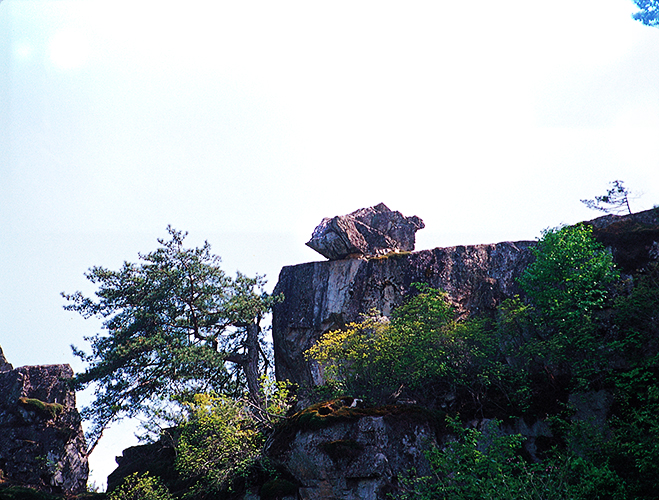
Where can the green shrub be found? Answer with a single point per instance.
(219, 442)
(378, 358)
(422, 352)
(570, 280)
(633, 446)
(486, 463)
(140, 487)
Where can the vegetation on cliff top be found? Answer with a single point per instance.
(580, 327)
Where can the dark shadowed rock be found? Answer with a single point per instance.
(157, 459)
(4, 364)
(633, 239)
(368, 231)
(353, 454)
(42, 444)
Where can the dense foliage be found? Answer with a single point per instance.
(649, 13)
(422, 346)
(423, 353)
(219, 440)
(570, 281)
(141, 487)
(579, 327)
(174, 325)
(486, 464)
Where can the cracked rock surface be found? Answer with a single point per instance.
(365, 232)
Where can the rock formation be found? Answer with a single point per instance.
(320, 296)
(332, 450)
(366, 232)
(4, 364)
(42, 444)
(156, 459)
(357, 455)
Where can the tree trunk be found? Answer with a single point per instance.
(251, 366)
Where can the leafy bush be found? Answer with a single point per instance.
(570, 280)
(423, 353)
(486, 463)
(637, 318)
(219, 442)
(140, 487)
(381, 359)
(633, 443)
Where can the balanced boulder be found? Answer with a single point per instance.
(366, 232)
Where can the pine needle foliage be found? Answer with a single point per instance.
(174, 325)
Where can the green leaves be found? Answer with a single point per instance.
(422, 350)
(487, 463)
(569, 282)
(141, 487)
(174, 323)
(219, 441)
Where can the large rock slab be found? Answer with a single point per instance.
(42, 444)
(321, 296)
(368, 231)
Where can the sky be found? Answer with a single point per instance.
(245, 123)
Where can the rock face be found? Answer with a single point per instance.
(320, 296)
(369, 231)
(339, 451)
(4, 364)
(633, 239)
(42, 444)
(357, 458)
(157, 459)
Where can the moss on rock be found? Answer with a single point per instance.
(50, 410)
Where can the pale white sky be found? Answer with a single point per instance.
(245, 123)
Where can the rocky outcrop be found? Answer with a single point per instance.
(366, 232)
(4, 364)
(331, 450)
(42, 444)
(156, 459)
(338, 452)
(633, 239)
(320, 296)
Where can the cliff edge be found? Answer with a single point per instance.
(321, 296)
